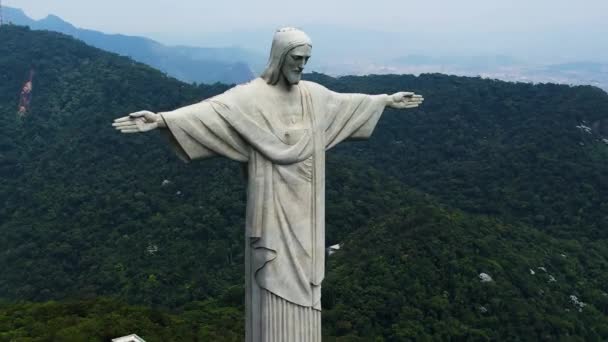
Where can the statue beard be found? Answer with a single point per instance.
(292, 76)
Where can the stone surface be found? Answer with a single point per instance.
(333, 249)
(281, 127)
(485, 278)
(128, 338)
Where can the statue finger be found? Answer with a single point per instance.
(127, 128)
(127, 122)
(129, 131)
(123, 119)
(124, 124)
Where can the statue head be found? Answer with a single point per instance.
(290, 51)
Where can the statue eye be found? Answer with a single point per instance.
(297, 58)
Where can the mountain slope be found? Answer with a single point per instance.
(65, 174)
(418, 274)
(189, 64)
(436, 197)
(522, 152)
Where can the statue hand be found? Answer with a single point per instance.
(404, 99)
(141, 121)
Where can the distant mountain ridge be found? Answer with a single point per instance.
(190, 64)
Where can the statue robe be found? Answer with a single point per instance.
(285, 227)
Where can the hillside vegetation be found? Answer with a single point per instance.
(103, 235)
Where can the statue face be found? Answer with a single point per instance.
(294, 63)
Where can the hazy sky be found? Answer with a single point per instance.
(493, 25)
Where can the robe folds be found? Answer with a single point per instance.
(285, 227)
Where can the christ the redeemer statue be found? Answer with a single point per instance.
(281, 127)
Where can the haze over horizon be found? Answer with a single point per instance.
(542, 31)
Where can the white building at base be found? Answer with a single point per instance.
(129, 338)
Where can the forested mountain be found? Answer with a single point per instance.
(190, 64)
(480, 216)
(522, 152)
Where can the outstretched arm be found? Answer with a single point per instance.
(195, 131)
(138, 122)
(355, 116)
